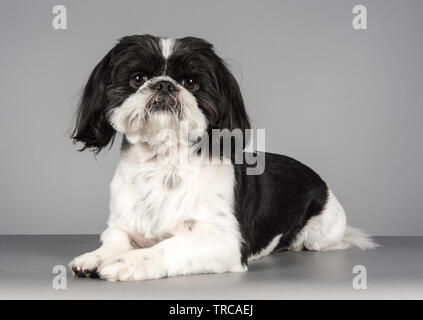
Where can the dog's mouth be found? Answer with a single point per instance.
(163, 102)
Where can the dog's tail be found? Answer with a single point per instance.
(356, 238)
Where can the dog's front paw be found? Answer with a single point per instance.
(135, 265)
(85, 266)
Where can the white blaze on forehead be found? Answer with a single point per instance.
(167, 45)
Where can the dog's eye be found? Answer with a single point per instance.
(137, 80)
(190, 84)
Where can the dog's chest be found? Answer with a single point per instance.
(157, 200)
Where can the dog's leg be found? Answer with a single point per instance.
(182, 254)
(115, 241)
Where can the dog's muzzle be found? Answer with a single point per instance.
(164, 97)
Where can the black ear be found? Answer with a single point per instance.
(231, 113)
(231, 106)
(92, 127)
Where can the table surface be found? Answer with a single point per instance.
(394, 271)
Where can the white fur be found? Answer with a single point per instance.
(356, 237)
(266, 251)
(167, 45)
(139, 125)
(186, 228)
(115, 241)
(329, 231)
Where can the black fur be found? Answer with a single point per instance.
(279, 201)
(92, 128)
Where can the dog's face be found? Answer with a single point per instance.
(146, 84)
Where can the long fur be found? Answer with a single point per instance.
(354, 237)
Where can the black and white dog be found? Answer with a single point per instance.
(170, 218)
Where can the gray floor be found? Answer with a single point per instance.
(394, 271)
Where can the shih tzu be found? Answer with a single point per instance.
(207, 215)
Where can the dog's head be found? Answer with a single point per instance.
(145, 84)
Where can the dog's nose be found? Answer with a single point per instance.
(164, 86)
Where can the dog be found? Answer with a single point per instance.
(208, 215)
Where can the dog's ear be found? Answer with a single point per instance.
(232, 114)
(92, 128)
(232, 110)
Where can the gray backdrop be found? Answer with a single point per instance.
(348, 103)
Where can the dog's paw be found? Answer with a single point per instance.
(135, 265)
(85, 266)
(116, 269)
